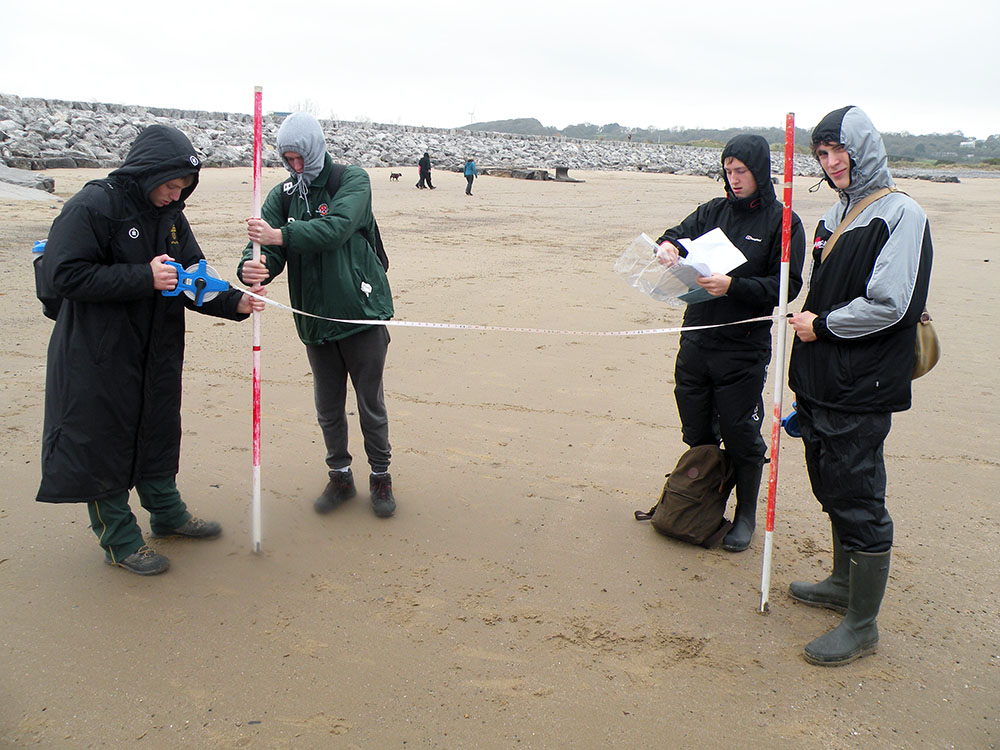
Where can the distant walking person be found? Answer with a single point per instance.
(470, 175)
(424, 165)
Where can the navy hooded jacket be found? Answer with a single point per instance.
(754, 226)
(113, 375)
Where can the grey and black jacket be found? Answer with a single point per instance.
(870, 291)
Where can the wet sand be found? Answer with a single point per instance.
(512, 601)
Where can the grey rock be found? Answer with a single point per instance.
(88, 133)
(25, 178)
(59, 162)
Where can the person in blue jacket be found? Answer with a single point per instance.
(470, 175)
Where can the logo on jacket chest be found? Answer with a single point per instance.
(819, 243)
(322, 208)
(134, 233)
(752, 238)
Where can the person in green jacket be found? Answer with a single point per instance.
(333, 272)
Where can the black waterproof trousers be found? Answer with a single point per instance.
(847, 472)
(718, 396)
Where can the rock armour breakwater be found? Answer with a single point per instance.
(51, 134)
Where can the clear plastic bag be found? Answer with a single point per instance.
(641, 269)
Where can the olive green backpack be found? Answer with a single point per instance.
(693, 502)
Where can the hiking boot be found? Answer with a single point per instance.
(338, 489)
(383, 503)
(145, 561)
(193, 528)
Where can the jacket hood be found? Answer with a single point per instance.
(159, 154)
(755, 153)
(869, 162)
(302, 134)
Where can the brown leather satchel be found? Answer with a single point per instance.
(927, 347)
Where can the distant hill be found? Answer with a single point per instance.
(935, 148)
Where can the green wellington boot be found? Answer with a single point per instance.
(832, 591)
(857, 634)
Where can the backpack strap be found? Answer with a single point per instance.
(642, 515)
(116, 198)
(851, 216)
(333, 181)
(719, 533)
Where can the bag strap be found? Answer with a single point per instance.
(641, 515)
(724, 527)
(333, 181)
(851, 216)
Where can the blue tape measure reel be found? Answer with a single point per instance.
(200, 282)
(791, 422)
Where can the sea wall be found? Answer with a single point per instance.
(40, 134)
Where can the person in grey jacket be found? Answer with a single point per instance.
(850, 369)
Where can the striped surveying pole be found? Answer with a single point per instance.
(781, 329)
(255, 507)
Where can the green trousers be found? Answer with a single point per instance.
(117, 530)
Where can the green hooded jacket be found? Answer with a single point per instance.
(332, 270)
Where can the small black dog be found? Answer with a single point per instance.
(394, 177)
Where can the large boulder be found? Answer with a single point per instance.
(24, 178)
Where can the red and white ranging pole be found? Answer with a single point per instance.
(781, 329)
(255, 507)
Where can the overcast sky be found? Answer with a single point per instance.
(913, 66)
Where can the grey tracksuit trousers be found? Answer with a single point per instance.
(362, 357)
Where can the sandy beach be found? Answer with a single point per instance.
(513, 600)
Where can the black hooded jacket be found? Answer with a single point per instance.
(754, 226)
(113, 378)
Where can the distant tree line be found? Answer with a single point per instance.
(942, 148)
